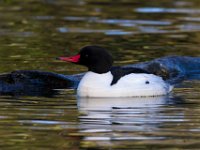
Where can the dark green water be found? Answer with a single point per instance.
(34, 32)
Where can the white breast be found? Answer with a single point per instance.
(132, 85)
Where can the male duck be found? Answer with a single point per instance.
(103, 80)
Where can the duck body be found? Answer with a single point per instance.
(131, 85)
(103, 80)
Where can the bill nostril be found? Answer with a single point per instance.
(147, 82)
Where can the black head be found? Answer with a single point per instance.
(96, 58)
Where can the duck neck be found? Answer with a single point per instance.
(99, 74)
(95, 80)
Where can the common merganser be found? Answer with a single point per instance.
(103, 80)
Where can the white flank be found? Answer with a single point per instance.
(132, 85)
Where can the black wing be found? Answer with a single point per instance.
(119, 72)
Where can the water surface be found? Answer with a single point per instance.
(33, 33)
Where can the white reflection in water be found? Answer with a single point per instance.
(125, 111)
(109, 103)
(113, 115)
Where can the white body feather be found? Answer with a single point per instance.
(132, 85)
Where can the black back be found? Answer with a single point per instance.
(119, 72)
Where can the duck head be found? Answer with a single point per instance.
(95, 58)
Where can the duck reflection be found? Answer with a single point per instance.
(123, 110)
(127, 118)
(117, 110)
(87, 104)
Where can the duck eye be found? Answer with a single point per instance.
(86, 55)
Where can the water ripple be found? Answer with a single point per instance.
(121, 22)
(82, 30)
(166, 10)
